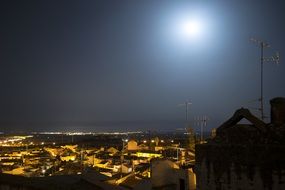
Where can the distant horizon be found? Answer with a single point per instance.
(107, 126)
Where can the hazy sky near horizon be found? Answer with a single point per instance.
(125, 61)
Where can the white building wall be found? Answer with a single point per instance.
(165, 172)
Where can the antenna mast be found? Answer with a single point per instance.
(274, 58)
(202, 122)
(186, 104)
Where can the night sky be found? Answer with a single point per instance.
(117, 65)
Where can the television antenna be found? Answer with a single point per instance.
(186, 104)
(202, 122)
(274, 58)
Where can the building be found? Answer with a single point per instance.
(132, 145)
(167, 175)
(245, 156)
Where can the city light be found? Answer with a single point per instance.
(60, 155)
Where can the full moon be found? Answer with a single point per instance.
(190, 28)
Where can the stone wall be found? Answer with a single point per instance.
(240, 167)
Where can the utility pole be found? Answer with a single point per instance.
(262, 45)
(274, 58)
(188, 130)
(122, 156)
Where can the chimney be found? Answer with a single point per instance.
(277, 111)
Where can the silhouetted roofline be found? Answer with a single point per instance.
(240, 114)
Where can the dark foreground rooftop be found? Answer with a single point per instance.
(87, 181)
(245, 156)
